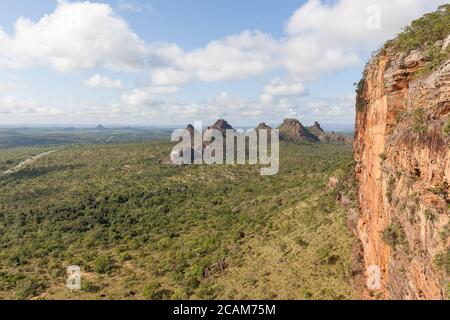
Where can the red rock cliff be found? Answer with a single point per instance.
(402, 151)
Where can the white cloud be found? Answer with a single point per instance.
(12, 105)
(142, 107)
(239, 56)
(101, 82)
(135, 7)
(79, 35)
(146, 96)
(8, 85)
(320, 37)
(282, 88)
(344, 22)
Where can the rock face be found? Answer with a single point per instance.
(403, 172)
(293, 130)
(332, 138)
(263, 126)
(221, 125)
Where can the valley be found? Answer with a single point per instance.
(141, 228)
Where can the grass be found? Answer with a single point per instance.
(140, 228)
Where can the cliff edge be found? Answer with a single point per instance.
(402, 152)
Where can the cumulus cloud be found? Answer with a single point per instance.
(279, 87)
(346, 22)
(320, 37)
(146, 96)
(238, 56)
(14, 106)
(101, 82)
(135, 7)
(79, 35)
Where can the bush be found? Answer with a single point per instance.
(446, 129)
(443, 261)
(151, 290)
(88, 286)
(423, 34)
(29, 288)
(390, 188)
(394, 235)
(103, 264)
(419, 119)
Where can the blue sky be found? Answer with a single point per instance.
(177, 61)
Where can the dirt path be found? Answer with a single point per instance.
(25, 163)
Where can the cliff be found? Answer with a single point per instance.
(402, 153)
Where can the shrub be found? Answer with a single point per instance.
(419, 118)
(390, 188)
(360, 101)
(103, 264)
(151, 290)
(446, 129)
(29, 288)
(423, 34)
(394, 235)
(88, 286)
(443, 261)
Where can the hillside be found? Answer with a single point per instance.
(140, 228)
(402, 149)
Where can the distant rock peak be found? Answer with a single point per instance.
(317, 126)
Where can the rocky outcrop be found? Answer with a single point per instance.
(326, 137)
(293, 130)
(221, 125)
(263, 126)
(403, 171)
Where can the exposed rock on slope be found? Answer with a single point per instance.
(263, 126)
(402, 151)
(221, 125)
(323, 136)
(293, 130)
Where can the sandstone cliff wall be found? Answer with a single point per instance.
(402, 153)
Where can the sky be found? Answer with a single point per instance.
(172, 62)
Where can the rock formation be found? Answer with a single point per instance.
(293, 130)
(325, 137)
(221, 125)
(263, 126)
(402, 150)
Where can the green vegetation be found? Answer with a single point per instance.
(423, 34)
(22, 137)
(360, 101)
(141, 228)
(446, 129)
(390, 188)
(443, 261)
(103, 264)
(394, 235)
(420, 121)
(12, 157)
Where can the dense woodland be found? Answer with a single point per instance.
(140, 227)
